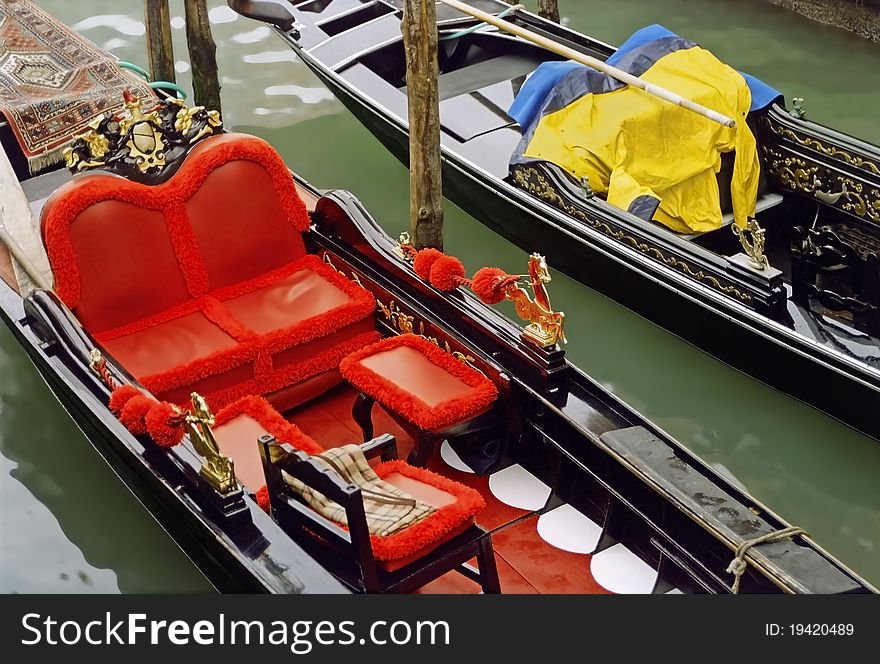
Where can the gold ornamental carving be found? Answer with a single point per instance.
(828, 150)
(535, 183)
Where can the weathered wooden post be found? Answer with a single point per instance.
(202, 55)
(159, 49)
(425, 184)
(549, 10)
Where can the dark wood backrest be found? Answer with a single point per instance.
(295, 516)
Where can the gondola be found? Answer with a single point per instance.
(802, 317)
(220, 381)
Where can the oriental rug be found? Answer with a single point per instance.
(53, 82)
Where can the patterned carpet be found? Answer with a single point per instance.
(53, 82)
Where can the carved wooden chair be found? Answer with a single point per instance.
(399, 563)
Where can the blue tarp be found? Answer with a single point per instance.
(531, 97)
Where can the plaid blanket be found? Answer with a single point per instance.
(54, 82)
(388, 509)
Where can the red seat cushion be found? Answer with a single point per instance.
(254, 338)
(237, 428)
(457, 506)
(122, 251)
(170, 344)
(419, 381)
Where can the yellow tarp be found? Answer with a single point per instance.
(632, 144)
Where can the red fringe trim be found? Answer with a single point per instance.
(262, 411)
(426, 417)
(168, 197)
(430, 529)
(283, 377)
(262, 497)
(185, 245)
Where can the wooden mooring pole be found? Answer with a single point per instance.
(549, 9)
(202, 55)
(159, 49)
(425, 184)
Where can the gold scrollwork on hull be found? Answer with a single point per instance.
(860, 202)
(828, 150)
(538, 185)
(405, 324)
(354, 275)
(793, 172)
(842, 192)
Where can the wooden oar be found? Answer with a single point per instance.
(577, 56)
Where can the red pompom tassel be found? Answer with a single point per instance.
(120, 396)
(134, 413)
(165, 424)
(447, 273)
(489, 282)
(263, 499)
(424, 260)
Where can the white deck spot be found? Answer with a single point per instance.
(451, 458)
(517, 487)
(569, 530)
(621, 571)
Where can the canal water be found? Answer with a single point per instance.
(67, 524)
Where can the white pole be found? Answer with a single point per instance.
(577, 56)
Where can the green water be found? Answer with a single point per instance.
(69, 525)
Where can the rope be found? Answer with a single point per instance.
(135, 68)
(739, 564)
(166, 85)
(474, 28)
(155, 85)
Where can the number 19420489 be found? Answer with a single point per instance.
(809, 629)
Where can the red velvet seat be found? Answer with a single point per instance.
(427, 390)
(202, 283)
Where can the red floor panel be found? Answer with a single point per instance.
(548, 569)
(453, 583)
(496, 514)
(321, 425)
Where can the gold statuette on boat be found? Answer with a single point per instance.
(751, 238)
(545, 326)
(218, 470)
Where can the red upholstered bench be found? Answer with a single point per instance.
(424, 388)
(202, 283)
(237, 428)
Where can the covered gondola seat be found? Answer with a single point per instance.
(203, 283)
